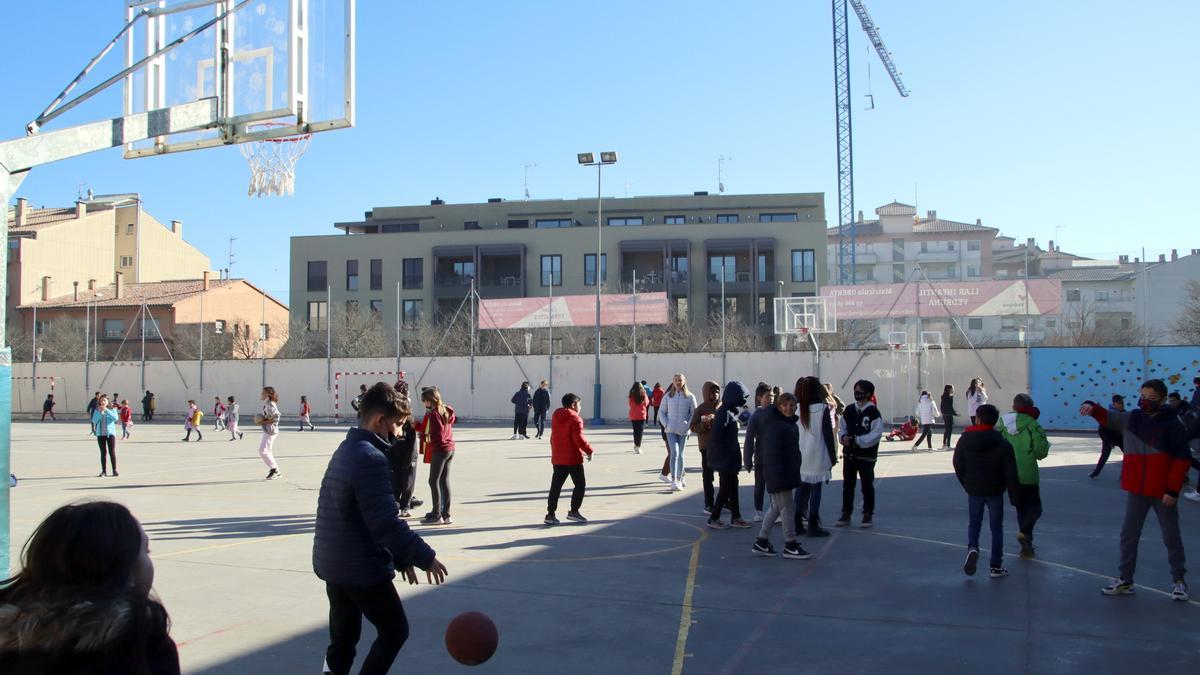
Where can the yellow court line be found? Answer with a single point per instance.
(233, 544)
(685, 616)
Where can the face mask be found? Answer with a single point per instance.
(861, 396)
(1148, 406)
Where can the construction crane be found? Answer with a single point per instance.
(845, 136)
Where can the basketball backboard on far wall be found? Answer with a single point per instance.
(276, 68)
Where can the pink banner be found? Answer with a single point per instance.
(980, 298)
(573, 310)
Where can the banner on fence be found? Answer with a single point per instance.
(973, 298)
(573, 310)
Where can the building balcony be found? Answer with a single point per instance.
(938, 256)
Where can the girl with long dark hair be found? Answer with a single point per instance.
(639, 406)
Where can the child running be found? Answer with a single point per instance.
(779, 452)
(305, 411)
(568, 449)
(986, 467)
(231, 419)
(192, 422)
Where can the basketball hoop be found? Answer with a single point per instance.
(273, 161)
(895, 347)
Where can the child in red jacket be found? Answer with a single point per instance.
(568, 448)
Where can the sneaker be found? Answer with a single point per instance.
(241, 435)
(1179, 591)
(998, 572)
(414, 503)
(815, 530)
(1192, 496)
(115, 474)
(740, 523)
(637, 450)
(664, 478)
(102, 474)
(682, 482)
(431, 519)
(1026, 546)
(272, 474)
(717, 525)
(1118, 587)
(779, 520)
(843, 520)
(524, 436)
(514, 437)
(763, 547)
(793, 551)
(1093, 474)
(446, 520)
(708, 509)
(550, 519)
(866, 520)
(972, 562)
(677, 486)
(576, 516)
(758, 516)
(404, 513)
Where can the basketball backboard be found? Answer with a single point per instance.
(799, 316)
(276, 68)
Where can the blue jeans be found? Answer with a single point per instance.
(995, 507)
(808, 503)
(675, 444)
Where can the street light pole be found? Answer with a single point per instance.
(588, 159)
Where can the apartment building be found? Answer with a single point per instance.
(421, 260)
(54, 251)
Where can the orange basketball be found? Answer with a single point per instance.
(471, 638)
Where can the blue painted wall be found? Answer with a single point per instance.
(1062, 377)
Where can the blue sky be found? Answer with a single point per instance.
(1072, 120)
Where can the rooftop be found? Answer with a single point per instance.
(159, 293)
(36, 218)
(1092, 273)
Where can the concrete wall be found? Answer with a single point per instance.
(898, 378)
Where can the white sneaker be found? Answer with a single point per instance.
(682, 482)
(637, 450)
(665, 478)
(1192, 496)
(677, 486)
(514, 437)
(758, 516)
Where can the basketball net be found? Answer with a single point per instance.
(273, 162)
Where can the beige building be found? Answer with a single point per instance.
(238, 319)
(425, 257)
(51, 251)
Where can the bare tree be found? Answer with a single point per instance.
(302, 343)
(64, 340)
(185, 344)
(20, 342)
(1083, 326)
(1186, 327)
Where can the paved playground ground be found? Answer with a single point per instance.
(644, 587)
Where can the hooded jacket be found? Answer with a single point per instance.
(926, 410)
(1022, 430)
(438, 430)
(567, 444)
(723, 450)
(83, 639)
(756, 428)
(779, 449)
(657, 395)
(360, 538)
(522, 401)
(1156, 450)
(541, 401)
(698, 423)
(984, 462)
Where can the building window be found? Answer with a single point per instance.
(674, 220)
(622, 222)
(1051, 322)
(1101, 296)
(264, 331)
(41, 328)
(151, 329)
(1008, 323)
(114, 328)
(1000, 274)
(975, 324)
(411, 314)
(352, 275)
(897, 250)
(414, 272)
(973, 245)
(219, 326)
(126, 261)
(1073, 295)
(471, 225)
(803, 265)
(972, 271)
(129, 228)
(777, 218)
(554, 222)
(376, 307)
(518, 224)
(951, 272)
(924, 247)
(318, 279)
(1126, 323)
(318, 315)
(722, 266)
(679, 268)
(897, 274)
(376, 274)
(950, 246)
(391, 228)
(351, 309)
(727, 217)
(464, 270)
(589, 269)
(552, 270)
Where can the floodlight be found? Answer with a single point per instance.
(585, 157)
(608, 158)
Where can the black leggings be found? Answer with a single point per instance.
(926, 435)
(578, 479)
(108, 443)
(727, 497)
(521, 424)
(439, 482)
(852, 469)
(638, 427)
(382, 607)
(948, 420)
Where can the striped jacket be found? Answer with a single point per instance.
(1156, 450)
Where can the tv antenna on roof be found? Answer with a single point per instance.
(229, 267)
(527, 168)
(720, 172)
